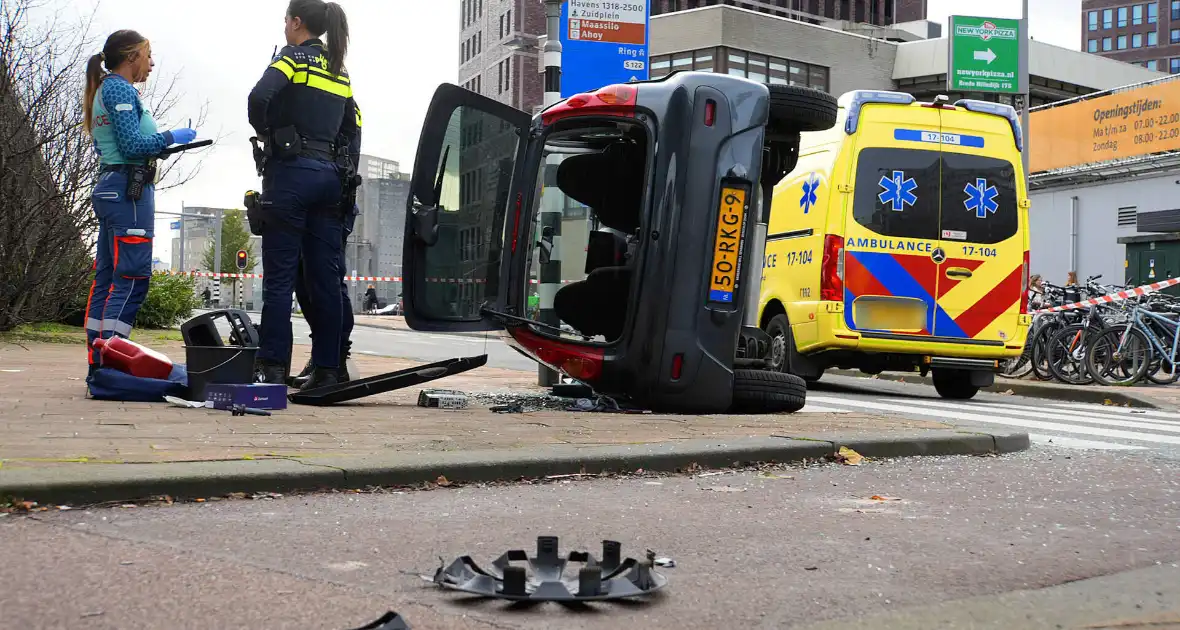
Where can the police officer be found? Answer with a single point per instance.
(303, 111)
(351, 212)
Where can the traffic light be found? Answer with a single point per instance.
(243, 257)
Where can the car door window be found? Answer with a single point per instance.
(897, 192)
(462, 270)
(978, 199)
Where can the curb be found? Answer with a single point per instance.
(491, 334)
(1068, 393)
(98, 483)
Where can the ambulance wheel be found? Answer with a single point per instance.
(761, 391)
(797, 108)
(954, 384)
(782, 349)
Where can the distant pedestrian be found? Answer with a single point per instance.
(371, 299)
(207, 297)
(1036, 292)
(1071, 280)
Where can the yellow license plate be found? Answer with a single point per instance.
(727, 247)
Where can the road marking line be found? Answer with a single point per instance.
(1007, 421)
(1040, 413)
(1068, 442)
(1150, 413)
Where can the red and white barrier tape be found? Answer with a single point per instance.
(205, 274)
(1113, 297)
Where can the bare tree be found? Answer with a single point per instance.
(48, 165)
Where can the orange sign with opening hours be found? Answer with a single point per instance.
(1129, 124)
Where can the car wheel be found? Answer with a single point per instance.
(779, 331)
(797, 108)
(760, 391)
(954, 384)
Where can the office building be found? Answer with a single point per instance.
(874, 12)
(375, 246)
(1143, 33)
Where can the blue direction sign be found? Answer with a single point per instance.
(603, 42)
(176, 225)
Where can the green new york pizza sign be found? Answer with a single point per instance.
(986, 55)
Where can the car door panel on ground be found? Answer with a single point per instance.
(458, 239)
(979, 284)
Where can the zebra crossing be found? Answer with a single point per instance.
(1061, 425)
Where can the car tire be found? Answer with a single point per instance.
(779, 325)
(796, 108)
(760, 391)
(954, 384)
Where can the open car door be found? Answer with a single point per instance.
(456, 252)
(458, 241)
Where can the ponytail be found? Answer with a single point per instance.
(93, 81)
(337, 30)
(120, 47)
(321, 18)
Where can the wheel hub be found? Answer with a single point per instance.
(778, 352)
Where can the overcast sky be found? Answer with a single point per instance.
(401, 50)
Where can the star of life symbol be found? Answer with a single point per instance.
(810, 188)
(981, 198)
(898, 191)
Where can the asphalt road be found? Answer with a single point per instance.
(799, 547)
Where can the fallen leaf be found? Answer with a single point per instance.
(1108, 402)
(774, 476)
(725, 489)
(1008, 393)
(442, 481)
(877, 497)
(849, 457)
(237, 495)
(199, 500)
(128, 506)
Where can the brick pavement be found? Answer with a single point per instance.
(47, 421)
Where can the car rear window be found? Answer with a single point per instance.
(978, 199)
(897, 192)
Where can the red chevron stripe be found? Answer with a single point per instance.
(995, 303)
(859, 281)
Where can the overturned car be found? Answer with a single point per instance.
(658, 191)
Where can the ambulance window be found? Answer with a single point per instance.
(978, 199)
(897, 192)
(475, 169)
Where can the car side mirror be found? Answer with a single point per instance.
(425, 222)
(545, 251)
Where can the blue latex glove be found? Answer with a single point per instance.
(183, 136)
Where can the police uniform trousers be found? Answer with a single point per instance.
(304, 299)
(123, 261)
(301, 199)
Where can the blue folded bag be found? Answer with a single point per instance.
(109, 384)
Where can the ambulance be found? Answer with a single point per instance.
(899, 242)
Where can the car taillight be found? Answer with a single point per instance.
(1024, 286)
(710, 112)
(677, 366)
(578, 361)
(612, 100)
(831, 276)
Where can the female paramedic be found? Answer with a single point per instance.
(303, 111)
(127, 141)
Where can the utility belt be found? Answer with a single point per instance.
(287, 144)
(139, 177)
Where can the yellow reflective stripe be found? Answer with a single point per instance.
(329, 86)
(338, 77)
(282, 66)
(358, 116)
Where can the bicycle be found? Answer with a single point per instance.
(1123, 355)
